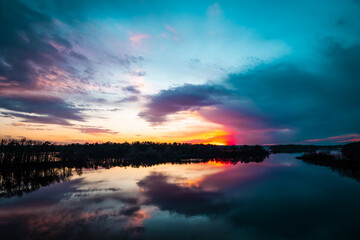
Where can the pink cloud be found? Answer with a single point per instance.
(95, 130)
(173, 33)
(137, 38)
(171, 29)
(244, 126)
(339, 139)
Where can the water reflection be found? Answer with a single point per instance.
(353, 173)
(20, 181)
(17, 180)
(280, 198)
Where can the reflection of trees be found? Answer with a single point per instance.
(348, 172)
(17, 182)
(346, 163)
(27, 165)
(298, 148)
(20, 152)
(352, 151)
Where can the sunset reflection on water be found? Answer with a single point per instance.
(279, 198)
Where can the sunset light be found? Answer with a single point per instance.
(204, 72)
(179, 119)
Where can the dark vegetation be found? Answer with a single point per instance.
(24, 152)
(349, 156)
(296, 148)
(346, 163)
(351, 151)
(27, 165)
(322, 157)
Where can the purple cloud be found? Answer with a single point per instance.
(30, 45)
(131, 89)
(48, 109)
(276, 102)
(95, 130)
(182, 98)
(128, 99)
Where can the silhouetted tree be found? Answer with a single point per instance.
(22, 152)
(352, 151)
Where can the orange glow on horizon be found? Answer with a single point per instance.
(215, 163)
(215, 137)
(68, 135)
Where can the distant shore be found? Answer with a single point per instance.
(26, 165)
(348, 157)
(27, 152)
(23, 152)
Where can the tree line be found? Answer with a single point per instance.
(348, 156)
(23, 151)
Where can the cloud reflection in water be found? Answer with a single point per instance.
(280, 198)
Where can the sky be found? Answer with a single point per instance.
(220, 72)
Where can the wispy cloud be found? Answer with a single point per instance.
(95, 130)
(40, 109)
(128, 99)
(171, 29)
(339, 139)
(30, 46)
(137, 38)
(131, 89)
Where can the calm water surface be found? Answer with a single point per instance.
(279, 198)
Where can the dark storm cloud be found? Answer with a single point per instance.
(182, 98)
(324, 103)
(49, 109)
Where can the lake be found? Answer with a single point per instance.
(278, 198)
